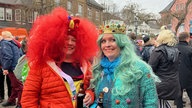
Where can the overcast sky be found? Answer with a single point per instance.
(154, 6)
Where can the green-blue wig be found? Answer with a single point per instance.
(127, 71)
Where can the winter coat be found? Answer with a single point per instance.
(136, 48)
(142, 95)
(45, 88)
(146, 52)
(185, 69)
(9, 54)
(164, 61)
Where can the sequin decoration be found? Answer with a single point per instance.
(105, 89)
(128, 101)
(148, 75)
(117, 101)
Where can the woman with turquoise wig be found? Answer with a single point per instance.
(126, 80)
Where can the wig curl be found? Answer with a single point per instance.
(49, 33)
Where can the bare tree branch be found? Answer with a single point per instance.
(181, 15)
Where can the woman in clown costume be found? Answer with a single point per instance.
(59, 50)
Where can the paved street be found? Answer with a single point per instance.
(185, 98)
(6, 98)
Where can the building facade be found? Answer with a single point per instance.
(13, 14)
(177, 7)
(22, 13)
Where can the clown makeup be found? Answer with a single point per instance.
(109, 47)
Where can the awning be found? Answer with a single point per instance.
(20, 33)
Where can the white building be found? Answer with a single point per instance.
(143, 29)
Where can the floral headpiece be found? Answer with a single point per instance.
(114, 28)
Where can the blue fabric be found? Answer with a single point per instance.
(105, 83)
(94, 105)
(108, 67)
(9, 54)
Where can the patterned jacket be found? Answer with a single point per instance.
(142, 95)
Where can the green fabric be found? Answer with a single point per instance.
(24, 72)
(142, 95)
(18, 69)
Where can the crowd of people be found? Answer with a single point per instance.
(63, 52)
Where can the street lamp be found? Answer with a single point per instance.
(136, 24)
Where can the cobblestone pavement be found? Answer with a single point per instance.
(185, 98)
(6, 97)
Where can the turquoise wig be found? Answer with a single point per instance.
(128, 71)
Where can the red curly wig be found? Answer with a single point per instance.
(48, 35)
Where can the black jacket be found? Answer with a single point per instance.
(146, 52)
(164, 61)
(185, 68)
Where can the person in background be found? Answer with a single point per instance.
(185, 67)
(140, 44)
(22, 60)
(164, 27)
(2, 95)
(126, 80)
(133, 37)
(10, 53)
(164, 61)
(2, 79)
(59, 50)
(18, 71)
(190, 41)
(147, 48)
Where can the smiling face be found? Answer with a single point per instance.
(109, 47)
(70, 43)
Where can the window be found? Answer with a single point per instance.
(30, 17)
(8, 14)
(89, 13)
(97, 15)
(57, 2)
(80, 10)
(35, 15)
(69, 5)
(17, 14)
(2, 15)
(24, 16)
(177, 7)
(182, 6)
(190, 26)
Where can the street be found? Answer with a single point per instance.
(185, 98)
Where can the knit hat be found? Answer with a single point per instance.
(146, 39)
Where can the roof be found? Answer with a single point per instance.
(16, 2)
(7, 1)
(93, 2)
(168, 7)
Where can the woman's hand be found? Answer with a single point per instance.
(87, 100)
